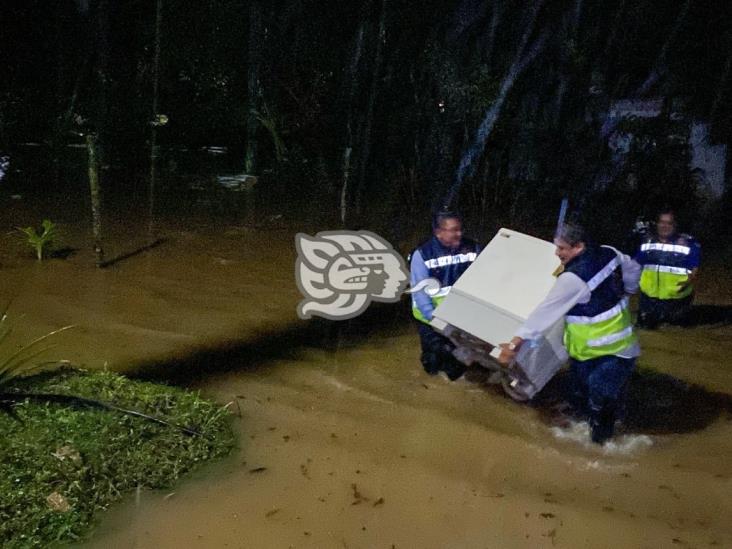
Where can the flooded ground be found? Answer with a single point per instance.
(344, 441)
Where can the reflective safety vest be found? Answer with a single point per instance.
(602, 326)
(445, 265)
(665, 265)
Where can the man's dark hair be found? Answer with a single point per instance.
(573, 233)
(443, 215)
(666, 210)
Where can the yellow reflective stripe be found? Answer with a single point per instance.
(617, 309)
(610, 338)
(603, 273)
(658, 246)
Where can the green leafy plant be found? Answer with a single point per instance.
(41, 242)
(61, 466)
(21, 362)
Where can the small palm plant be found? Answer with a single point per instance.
(41, 242)
(20, 362)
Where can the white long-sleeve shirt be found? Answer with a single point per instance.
(569, 290)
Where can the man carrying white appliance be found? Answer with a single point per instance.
(591, 295)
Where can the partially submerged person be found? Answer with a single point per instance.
(670, 263)
(591, 295)
(444, 257)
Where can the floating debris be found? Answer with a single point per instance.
(215, 150)
(357, 496)
(237, 182)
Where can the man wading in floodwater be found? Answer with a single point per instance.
(670, 264)
(590, 294)
(444, 257)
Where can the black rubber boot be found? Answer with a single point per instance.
(450, 365)
(430, 363)
(602, 425)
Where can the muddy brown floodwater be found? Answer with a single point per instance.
(344, 442)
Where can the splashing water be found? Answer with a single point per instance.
(579, 432)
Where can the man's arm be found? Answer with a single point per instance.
(692, 264)
(568, 290)
(418, 272)
(631, 270)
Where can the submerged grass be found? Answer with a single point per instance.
(60, 465)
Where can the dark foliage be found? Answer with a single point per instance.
(402, 85)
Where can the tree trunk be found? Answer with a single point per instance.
(353, 76)
(56, 143)
(565, 64)
(253, 85)
(102, 114)
(498, 8)
(722, 86)
(522, 59)
(368, 122)
(91, 145)
(660, 64)
(154, 121)
(617, 23)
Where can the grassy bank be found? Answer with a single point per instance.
(60, 466)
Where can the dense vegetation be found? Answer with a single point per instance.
(371, 106)
(61, 465)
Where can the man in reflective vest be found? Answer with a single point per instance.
(670, 263)
(591, 293)
(443, 257)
